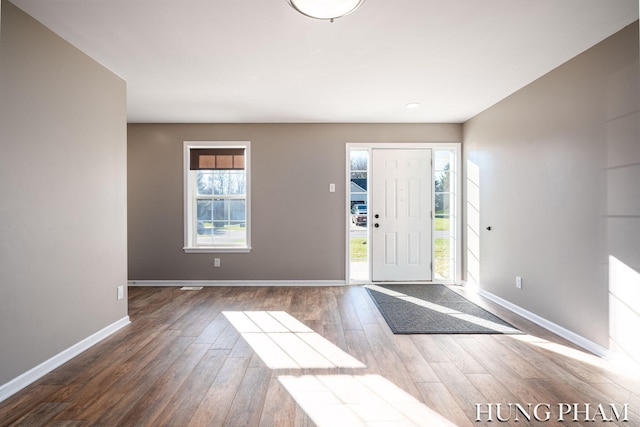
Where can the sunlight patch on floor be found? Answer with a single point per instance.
(283, 342)
(582, 356)
(366, 400)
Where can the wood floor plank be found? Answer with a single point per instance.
(182, 406)
(251, 394)
(563, 362)
(522, 365)
(584, 393)
(507, 375)
(41, 415)
(212, 330)
(154, 401)
(241, 349)
(153, 367)
(181, 362)
(456, 353)
(217, 401)
(93, 390)
(418, 368)
(121, 346)
(429, 348)
(348, 316)
(279, 407)
(335, 333)
(363, 305)
(24, 401)
(438, 398)
(492, 388)
(591, 369)
(389, 362)
(227, 338)
(359, 348)
(193, 324)
(68, 423)
(462, 390)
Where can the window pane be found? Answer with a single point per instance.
(442, 182)
(205, 182)
(220, 210)
(237, 182)
(358, 160)
(358, 249)
(442, 160)
(204, 220)
(237, 210)
(205, 210)
(221, 222)
(225, 233)
(229, 183)
(359, 175)
(442, 223)
(220, 183)
(442, 265)
(443, 201)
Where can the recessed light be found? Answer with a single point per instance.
(413, 105)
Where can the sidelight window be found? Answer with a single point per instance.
(444, 213)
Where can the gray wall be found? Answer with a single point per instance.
(297, 225)
(62, 192)
(558, 171)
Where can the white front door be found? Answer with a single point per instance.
(400, 214)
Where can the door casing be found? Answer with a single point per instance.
(456, 147)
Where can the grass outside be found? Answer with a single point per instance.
(442, 261)
(442, 223)
(208, 225)
(359, 249)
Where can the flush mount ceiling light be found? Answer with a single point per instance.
(413, 105)
(325, 9)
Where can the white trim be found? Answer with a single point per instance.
(413, 282)
(457, 147)
(32, 375)
(579, 340)
(214, 249)
(237, 283)
(189, 246)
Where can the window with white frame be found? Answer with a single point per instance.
(217, 196)
(446, 213)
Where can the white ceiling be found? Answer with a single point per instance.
(242, 61)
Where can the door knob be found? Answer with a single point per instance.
(376, 225)
(377, 216)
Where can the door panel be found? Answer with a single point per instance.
(401, 197)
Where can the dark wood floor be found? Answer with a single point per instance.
(182, 363)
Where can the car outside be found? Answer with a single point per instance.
(359, 214)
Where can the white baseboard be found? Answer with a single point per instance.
(237, 283)
(32, 375)
(571, 336)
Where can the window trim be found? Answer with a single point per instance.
(189, 246)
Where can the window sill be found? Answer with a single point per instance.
(216, 249)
